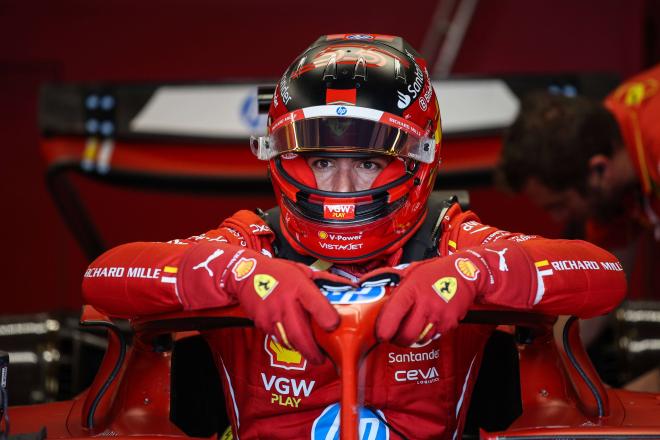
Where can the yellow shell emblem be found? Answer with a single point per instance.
(285, 355)
(446, 288)
(244, 268)
(467, 269)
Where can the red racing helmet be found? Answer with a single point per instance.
(353, 95)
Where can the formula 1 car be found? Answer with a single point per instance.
(159, 379)
(136, 391)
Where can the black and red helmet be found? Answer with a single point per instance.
(349, 95)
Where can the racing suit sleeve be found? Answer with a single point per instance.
(530, 272)
(141, 278)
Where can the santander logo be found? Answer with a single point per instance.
(404, 100)
(339, 211)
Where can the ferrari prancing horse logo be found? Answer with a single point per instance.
(446, 288)
(264, 284)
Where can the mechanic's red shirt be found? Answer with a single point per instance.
(635, 236)
(636, 106)
(421, 391)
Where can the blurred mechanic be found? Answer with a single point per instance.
(597, 162)
(353, 148)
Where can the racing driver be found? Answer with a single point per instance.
(353, 148)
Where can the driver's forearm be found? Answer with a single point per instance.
(134, 279)
(554, 276)
(139, 279)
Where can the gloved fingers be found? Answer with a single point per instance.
(429, 333)
(448, 316)
(392, 313)
(413, 326)
(282, 335)
(298, 333)
(320, 309)
(264, 319)
(447, 323)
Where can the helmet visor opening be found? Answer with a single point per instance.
(351, 135)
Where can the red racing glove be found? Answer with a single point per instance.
(432, 296)
(280, 296)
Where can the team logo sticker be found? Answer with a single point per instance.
(283, 357)
(636, 93)
(360, 37)
(326, 426)
(344, 211)
(264, 284)
(244, 268)
(403, 101)
(446, 288)
(466, 268)
(205, 264)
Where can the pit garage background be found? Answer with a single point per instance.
(51, 50)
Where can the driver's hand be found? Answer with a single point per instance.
(280, 296)
(431, 298)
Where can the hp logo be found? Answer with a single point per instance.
(360, 37)
(348, 295)
(326, 426)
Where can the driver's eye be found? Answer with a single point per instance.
(321, 163)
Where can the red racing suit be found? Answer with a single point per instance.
(421, 391)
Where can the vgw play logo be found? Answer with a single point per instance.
(326, 426)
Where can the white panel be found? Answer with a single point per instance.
(230, 111)
(209, 110)
(468, 105)
(331, 110)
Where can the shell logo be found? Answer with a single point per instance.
(467, 269)
(323, 235)
(283, 357)
(244, 268)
